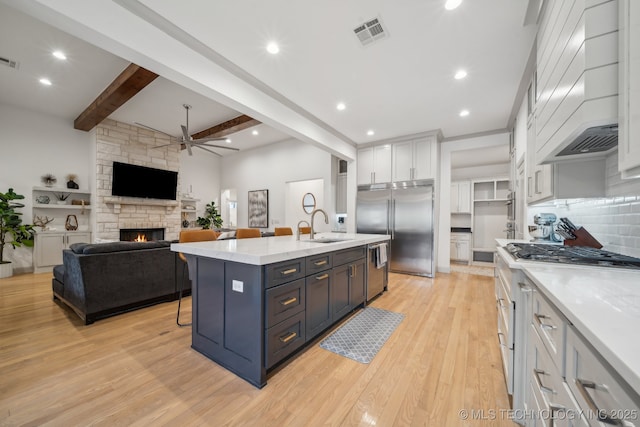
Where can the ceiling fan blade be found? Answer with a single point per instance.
(185, 133)
(153, 129)
(167, 145)
(216, 146)
(201, 140)
(206, 149)
(188, 148)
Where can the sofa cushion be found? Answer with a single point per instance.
(101, 248)
(58, 273)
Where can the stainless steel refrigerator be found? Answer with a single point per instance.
(403, 210)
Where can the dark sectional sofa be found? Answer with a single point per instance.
(104, 279)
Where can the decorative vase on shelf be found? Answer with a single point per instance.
(72, 184)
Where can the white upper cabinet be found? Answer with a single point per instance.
(577, 74)
(374, 165)
(629, 126)
(461, 197)
(415, 159)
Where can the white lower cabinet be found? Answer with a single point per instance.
(49, 246)
(567, 382)
(460, 247)
(598, 389)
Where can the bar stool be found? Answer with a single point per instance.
(247, 233)
(283, 231)
(187, 236)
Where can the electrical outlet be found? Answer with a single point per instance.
(237, 286)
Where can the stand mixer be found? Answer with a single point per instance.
(543, 231)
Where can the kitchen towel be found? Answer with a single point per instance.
(381, 255)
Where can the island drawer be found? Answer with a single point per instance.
(285, 271)
(348, 255)
(284, 301)
(283, 339)
(319, 263)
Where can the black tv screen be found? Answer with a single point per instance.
(141, 181)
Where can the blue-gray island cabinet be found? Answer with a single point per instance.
(257, 301)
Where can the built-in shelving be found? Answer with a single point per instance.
(489, 216)
(188, 213)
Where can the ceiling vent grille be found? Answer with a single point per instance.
(593, 140)
(370, 31)
(9, 63)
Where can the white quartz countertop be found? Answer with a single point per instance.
(267, 250)
(602, 303)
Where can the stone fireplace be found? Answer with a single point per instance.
(141, 234)
(116, 141)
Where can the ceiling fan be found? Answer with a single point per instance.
(189, 142)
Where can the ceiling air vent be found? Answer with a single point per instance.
(593, 140)
(9, 63)
(370, 31)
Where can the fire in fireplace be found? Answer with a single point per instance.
(141, 234)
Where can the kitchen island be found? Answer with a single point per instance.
(257, 301)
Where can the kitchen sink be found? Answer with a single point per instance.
(327, 240)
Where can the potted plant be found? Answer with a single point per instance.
(12, 231)
(211, 217)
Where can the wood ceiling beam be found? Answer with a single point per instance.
(227, 128)
(131, 81)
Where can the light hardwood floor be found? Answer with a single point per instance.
(138, 368)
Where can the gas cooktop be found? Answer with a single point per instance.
(578, 255)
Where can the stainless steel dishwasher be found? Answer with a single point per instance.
(377, 278)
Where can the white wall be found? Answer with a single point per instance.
(485, 171)
(294, 213)
(444, 227)
(271, 167)
(200, 175)
(31, 145)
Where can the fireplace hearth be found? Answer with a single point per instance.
(141, 234)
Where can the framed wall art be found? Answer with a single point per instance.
(259, 209)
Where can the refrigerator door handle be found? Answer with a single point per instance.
(393, 218)
(388, 214)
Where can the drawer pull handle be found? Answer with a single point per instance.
(288, 301)
(319, 263)
(352, 271)
(288, 337)
(500, 341)
(539, 318)
(537, 373)
(583, 385)
(525, 288)
(322, 277)
(289, 271)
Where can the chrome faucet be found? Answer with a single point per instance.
(298, 228)
(313, 214)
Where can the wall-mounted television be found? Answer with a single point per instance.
(141, 181)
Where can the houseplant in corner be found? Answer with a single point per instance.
(12, 231)
(211, 217)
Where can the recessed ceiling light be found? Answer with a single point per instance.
(45, 81)
(341, 106)
(452, 4)
(464, 113)
(370, 133)
(254, 132)
(460, 74)
(59, 54)
(228, 140)
(273, 48)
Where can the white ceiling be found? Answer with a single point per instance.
(400, 85)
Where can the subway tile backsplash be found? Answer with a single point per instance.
(614, 221)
